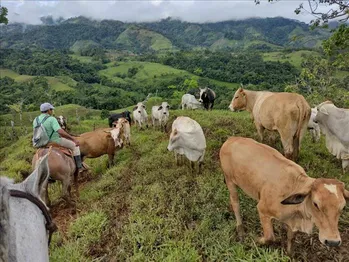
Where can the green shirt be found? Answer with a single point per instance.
(51, 126)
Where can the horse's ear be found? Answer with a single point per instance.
(37, 181)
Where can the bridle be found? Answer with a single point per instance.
(50, 225)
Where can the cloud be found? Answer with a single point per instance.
(142, 10)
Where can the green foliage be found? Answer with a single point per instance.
(104, 114)
(337, 47)
(3, 14)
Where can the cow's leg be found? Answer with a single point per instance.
(260, 131)
(110, 160)
(153, 120)
(211, 105)
(192, 167)
(234, 202)
(345, 165)
(290, 236)
(268, 231)
(287, 143)
(313, 134)
(200, 167)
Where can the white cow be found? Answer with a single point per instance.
(187, 138)
(123, 122)
(140, 115)
(160, 114)
(334, 123)
(189, 101)
(313, 127)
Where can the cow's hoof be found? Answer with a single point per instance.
(241, 232)
(264, 241)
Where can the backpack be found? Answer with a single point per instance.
(40, 137)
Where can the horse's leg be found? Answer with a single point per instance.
(66, 189)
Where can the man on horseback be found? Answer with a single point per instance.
(56, 134)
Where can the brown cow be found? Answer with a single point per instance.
(102, 141)
(283, 191)
(288, 113)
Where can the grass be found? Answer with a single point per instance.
(59, 83)
(146, 208)
(295, 57)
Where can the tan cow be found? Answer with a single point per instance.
(102, 141)
(288, 113)
(283, 191)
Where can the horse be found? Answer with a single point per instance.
(62, 168)
(24, 218)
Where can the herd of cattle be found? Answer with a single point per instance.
(281, 187)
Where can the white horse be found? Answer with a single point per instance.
(24, 218)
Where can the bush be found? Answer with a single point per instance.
(104, 114)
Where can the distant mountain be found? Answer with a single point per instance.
(167, 34)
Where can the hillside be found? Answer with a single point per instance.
(167, 34)
(147, 208)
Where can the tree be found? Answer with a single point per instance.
(339, 10)
(337, 47)
(3, 14)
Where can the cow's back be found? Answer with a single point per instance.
(255, 167)
(95, 143)
(275, 110)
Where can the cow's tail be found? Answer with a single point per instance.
(303, 119)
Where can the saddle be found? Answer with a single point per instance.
(64, 150)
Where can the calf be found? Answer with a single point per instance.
(187, 138)
(140, 115)
(207, 97)
(114, 117)
(313, 127)
(160, 114)
(283, 191)
(189, 101)
(334, 123)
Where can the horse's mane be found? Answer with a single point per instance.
(4, 218)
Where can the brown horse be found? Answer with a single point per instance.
(62, 167)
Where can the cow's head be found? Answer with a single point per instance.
(173, 138)
(324, 203)
(203, 94)
(115, 133)
(322, 111)
(239, 101)
(139, 107)
(164, 108)
(62, 121)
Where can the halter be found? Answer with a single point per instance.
(50, 225)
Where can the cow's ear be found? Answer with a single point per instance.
(323, 110)
(294, 199)
(241, 90)
(160, 108)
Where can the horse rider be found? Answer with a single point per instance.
(56, 134)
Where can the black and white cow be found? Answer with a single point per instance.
(114, 117)
(207, 97)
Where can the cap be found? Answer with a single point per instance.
(45, 107)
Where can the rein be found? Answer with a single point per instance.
(50, 225)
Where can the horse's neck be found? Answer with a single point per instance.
(4, 220)
(28, 238)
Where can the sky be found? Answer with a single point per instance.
(30, 11)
